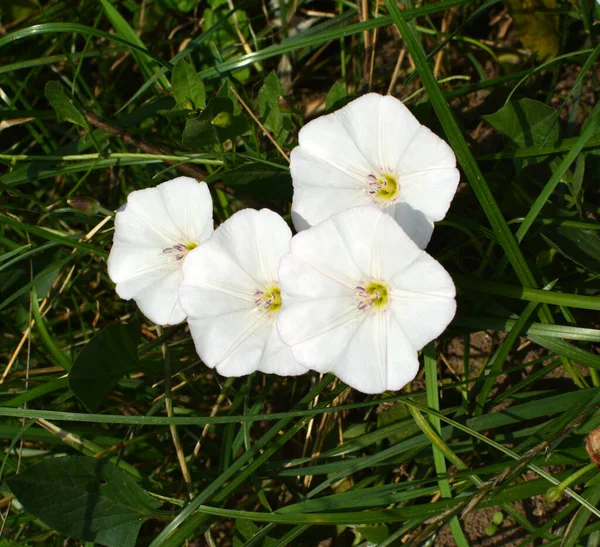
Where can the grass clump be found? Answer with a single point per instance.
(112, 430)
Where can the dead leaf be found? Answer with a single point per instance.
(536, 27)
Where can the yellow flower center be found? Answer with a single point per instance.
(384, 187)
(373, 295)
(268, 299)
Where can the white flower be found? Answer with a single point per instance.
(154, 231)
(360, 299)
(230, 292)
(373, 151)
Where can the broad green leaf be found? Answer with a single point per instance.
(536, 27)
(259, 180)
(526, 122)
(216, 124)
(271, 114)
(85, 498)
(188, 88)
(102, 363)
(337, 97)
(65, 107)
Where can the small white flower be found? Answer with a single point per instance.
(154, 231)
(230, 292)
(360, 299)
(374, 152)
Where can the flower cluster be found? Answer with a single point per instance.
(353, 292)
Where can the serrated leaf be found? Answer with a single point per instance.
(102, 363)
(259, 180)
(85, 498)
(536, 28)
(270, 112)
(64, 106)
(188, 87)
(526, 122)
(336, 98)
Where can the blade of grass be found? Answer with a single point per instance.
(461, 149)
(530, 294)
(439, 460)
(125, 32)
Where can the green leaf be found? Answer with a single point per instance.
(259, 180)
(246, 530)
(85, 498)
(580, 246)
(270, 112)
(64, 106)
(183, 6)
(375, 534)
(216, 124)
(526, 122)
(337, 97)
(188, 88)
(103, 362)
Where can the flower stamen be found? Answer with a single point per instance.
(372, 295)
(384, 187)
(268, 299)
(179, 250)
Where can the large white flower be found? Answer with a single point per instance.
(360, 299)
(373, 151)
(154, 231)
(230, 292)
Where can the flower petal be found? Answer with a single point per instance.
(176, 211)
(336, 248)
(255, 241)
(313, 205)
(153, 220)
(189, 204)
(277, 357)
(219, 292)
(417, 189)
(422, 300)
(381, 126)
(318, 330)
(425, 151)
(389, 249)
(378, 357)
(155, 293)
(326, 138)
(413, 221)
(232, 342)
(129, 261)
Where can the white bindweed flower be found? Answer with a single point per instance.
(360, 299)
(230, 292)
(154, 231)
(373, 151)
